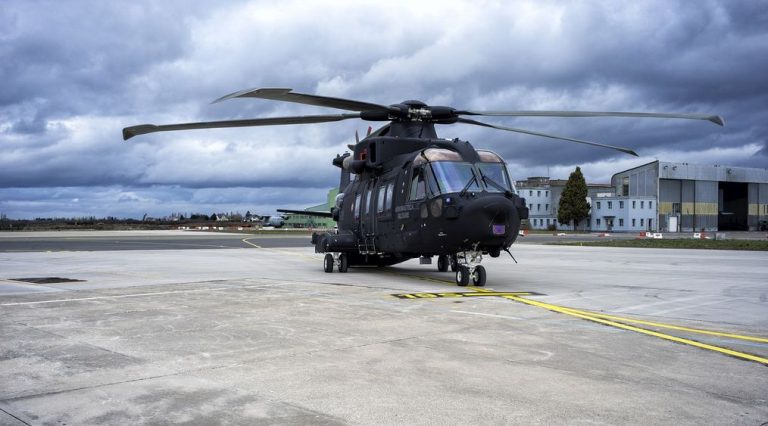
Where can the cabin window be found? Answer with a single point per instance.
(388, 201)
(356, 207)
(380, 200)
(366, 196)
(418, 188)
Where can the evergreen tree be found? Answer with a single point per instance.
(573, 206)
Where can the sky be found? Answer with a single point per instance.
(74, 73)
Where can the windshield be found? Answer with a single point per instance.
(495, 177)
(453, 176)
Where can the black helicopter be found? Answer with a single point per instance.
(414, 194)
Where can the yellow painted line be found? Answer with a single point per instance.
(669, 326)
(690, 342)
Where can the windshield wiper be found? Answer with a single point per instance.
(495, 184)
(466, 187)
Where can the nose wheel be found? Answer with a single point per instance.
(468, 269)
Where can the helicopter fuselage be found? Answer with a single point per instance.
(415, 197)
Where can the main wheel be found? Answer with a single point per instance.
(462, 275)
(454, 263)
(442, 263)
(328, 262)
(478, 277)
(343, 263)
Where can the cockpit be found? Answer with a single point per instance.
(441, 171)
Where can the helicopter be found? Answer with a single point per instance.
(407, 193)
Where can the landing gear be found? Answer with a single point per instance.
(478, 277)
(340, 259)
(442, 263)
(468, 266)
(454, 263)
(462, 275)
(343, 263)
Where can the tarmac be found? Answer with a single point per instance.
(257, 333)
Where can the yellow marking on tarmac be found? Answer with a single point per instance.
(669, 326)
(664, 336)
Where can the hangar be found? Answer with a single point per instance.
(694, 197)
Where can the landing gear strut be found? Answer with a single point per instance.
(468, 267)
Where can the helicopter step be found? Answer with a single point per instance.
(367, 245)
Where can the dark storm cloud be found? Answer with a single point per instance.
(74, 73)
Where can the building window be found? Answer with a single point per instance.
(621, 222)
(625, 186)
(650, 224)
(546, 193)
(546, 207)
(530, 193)
(598, 204)
(642, 222)
(597, 222)
(621, 204)
(675, 207)
(547, 221)
(538, 193)
(610, 204)
(642, 204)
(633, 223)
(538, 207)
(633, 204)
(650, 204)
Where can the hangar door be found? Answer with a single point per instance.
(732, 206)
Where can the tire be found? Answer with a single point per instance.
(478, 278)
(343, 263)
(462, 276)
(328, 262)
(442, 263)
(454, 263)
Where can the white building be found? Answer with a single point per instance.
(623, 214)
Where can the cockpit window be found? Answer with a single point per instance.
(495, 177)
(454, 176)
(494, 172)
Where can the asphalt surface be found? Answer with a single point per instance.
(193, 240)
(143, 240)
(576, 335)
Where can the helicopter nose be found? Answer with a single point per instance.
(491, 216)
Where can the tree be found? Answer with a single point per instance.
(573, 207)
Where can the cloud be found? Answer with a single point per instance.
(75, 73)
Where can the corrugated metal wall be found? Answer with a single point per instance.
(757, 197)
(696, 201)
(669, 194)
(705, 205)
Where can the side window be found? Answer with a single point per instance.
(356, 207)
(418, 188)
(390, 193)
(366, 197)
(380, 200)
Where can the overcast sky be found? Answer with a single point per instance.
(74, 73)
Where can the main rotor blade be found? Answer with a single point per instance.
(287, 95)
(529, 132)
(713, 118)
(142, 129)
